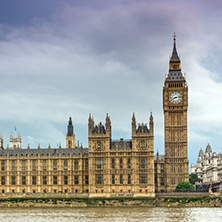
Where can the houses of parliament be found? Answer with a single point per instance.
(107, 168)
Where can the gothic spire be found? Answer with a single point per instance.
(70, 127)
(174, 57)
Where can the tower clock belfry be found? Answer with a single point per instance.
(175, 105)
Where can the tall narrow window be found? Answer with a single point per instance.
(13, 165)
(3, 166)
(33, 180)
(44, 180)
(44, 165)
(55, 180)
(65, 180)
(99, 163)
(54, 164)
(33, 165)
(86, 165)
(3, 180)
(113, 179)
(13, 180)
(76, 165)
(128, 163)
(129, 179)
(113, 163)
(99, 179)
(142, 144)
(143, 163)
(23, 180)
(86, 179)
(121, 179)
(23, 165)
(65, 165)
(76, 180)
(121, 163)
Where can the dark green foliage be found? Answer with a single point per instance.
(194, 178)
(184, 186)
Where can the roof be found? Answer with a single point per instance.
(44, 152)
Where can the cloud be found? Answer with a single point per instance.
(108, 56)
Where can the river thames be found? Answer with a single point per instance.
(111, 214)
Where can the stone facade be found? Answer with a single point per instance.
(209, 166)
(107, 168)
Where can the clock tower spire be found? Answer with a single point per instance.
(175, 105)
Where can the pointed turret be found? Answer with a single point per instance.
(175, 73)
(70, 127)
(174, 57)
(151, 123)
(133, 124)
(70, 136)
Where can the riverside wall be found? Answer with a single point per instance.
(72, 200)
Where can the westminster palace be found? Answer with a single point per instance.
(107, 168)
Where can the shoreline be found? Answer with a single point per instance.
(68, 201)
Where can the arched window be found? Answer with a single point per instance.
(142, 144)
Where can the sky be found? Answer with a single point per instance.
(62, 58)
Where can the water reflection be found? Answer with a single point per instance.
(111, 214)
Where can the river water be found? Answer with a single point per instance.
(111, 214)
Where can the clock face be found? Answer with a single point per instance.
(175, 97)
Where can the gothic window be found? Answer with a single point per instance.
(161, 181)
(13, 180)
(3, 180)
(99, 179)
(33, 180)
(121, 179)
(65, 165)
(129, 179)
(121, 163)
(44, 165)
(54, 165)
(113, 163)
(98, 145)
(99, 163)
(55, 180)
(143, 163)
(161, 168)
(128, 163)
(86, 165)
(44, 179)
(142, 144)
(3, 166)
(155, 168)
(23, 165)
(113, 179)
(65, 180)
(33, 165)
(76, 165)
(76, 180)
(23, 180)
(86, 179)
(143, 178)
(13, 165)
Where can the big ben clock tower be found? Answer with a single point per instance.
(175, 104)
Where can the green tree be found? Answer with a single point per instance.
(184, 186)
(194, 178)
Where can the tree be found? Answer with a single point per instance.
(184, 186)
(194, 178)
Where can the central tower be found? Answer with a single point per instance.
(175, 104)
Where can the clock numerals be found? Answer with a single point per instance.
(175, 97)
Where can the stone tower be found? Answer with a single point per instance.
(15, 141)
(70, 136)
(99, 140)
(175, 104)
